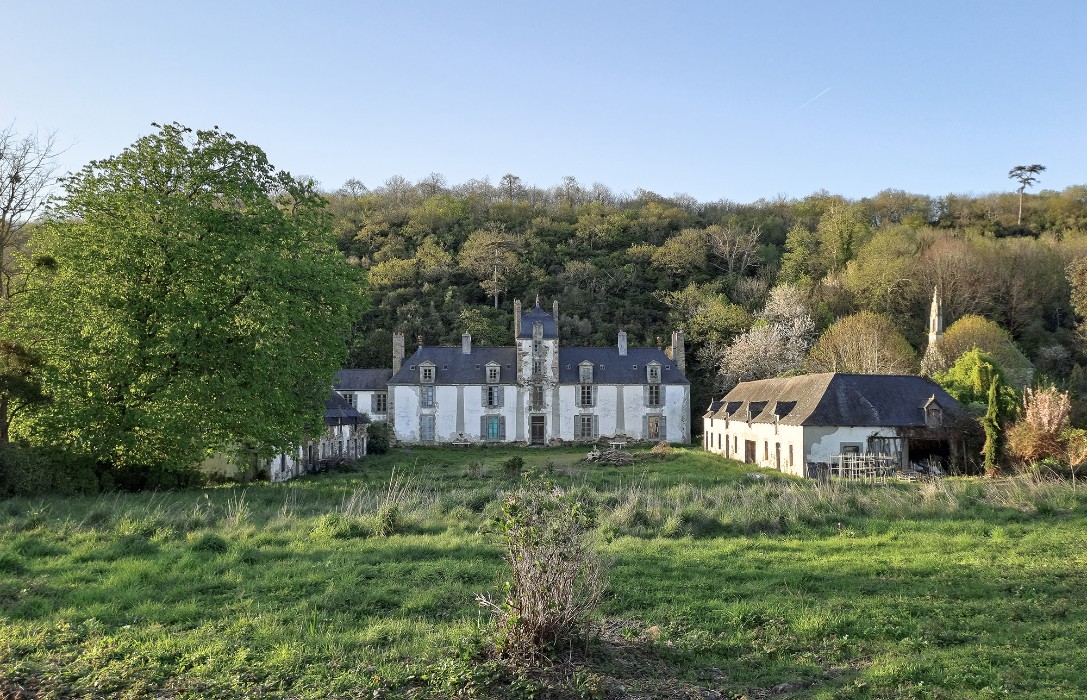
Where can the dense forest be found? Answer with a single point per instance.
(443, 259)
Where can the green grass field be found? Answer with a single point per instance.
(722, 584)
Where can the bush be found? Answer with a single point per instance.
(37, 471)
(379, 438)
(513, 466)
(556, 579)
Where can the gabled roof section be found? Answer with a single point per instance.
(881, 400)
(452, 366)
(339, 412)
(609, 367)
(362, 379)
(538, 315)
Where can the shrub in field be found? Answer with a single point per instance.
(379, 437)
(513, 466)
(556, 579)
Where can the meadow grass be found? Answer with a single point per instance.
(724, 582)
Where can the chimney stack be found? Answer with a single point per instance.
(555, 311)
(466, 343)
(420, 341)
(659, 342)
(398, 351)
(516, 319)
(679, 353)
(622, 343)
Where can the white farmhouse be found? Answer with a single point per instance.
(537, 392)
(800, 425)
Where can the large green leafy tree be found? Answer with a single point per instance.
(196, 301)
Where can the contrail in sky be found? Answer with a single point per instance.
(813, 99)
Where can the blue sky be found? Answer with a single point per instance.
(718, 100)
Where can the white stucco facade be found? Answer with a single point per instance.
(538, 392)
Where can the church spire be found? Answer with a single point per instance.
(934, 360)
(935, 318)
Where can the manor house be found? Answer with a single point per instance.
(538, 392)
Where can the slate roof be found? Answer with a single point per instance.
(538, 315)
(362, 380)
(452, 366)
(893, 401)
(339, 412)
(609, 367)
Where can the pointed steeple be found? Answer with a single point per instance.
(934, 360)
(935, 318)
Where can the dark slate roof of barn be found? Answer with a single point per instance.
(609, 367)
(838, 399)
(452, 366)
(338, 411)
(538, 315)
(362, 379)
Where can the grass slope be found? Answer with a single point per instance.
(722, 584)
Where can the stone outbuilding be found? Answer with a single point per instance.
(802, 425)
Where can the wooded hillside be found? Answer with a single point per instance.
(646, 264)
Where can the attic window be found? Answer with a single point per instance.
(411, 366)
(509, 366)
(445, 366)
(668, 366)
(477, 366)
(635, 367)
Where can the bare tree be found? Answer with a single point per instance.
(733, 248)
(27, 165)
(1025, 175)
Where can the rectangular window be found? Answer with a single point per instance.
(537, 367)
(426, 399)
(426, 374)
(381, 402)
(654, 373)
(654, 428)
(585, 372)
(766, 451)
(537, 347)
(790, 454)
(494, 396)
(426, 428)
(350, 396)
(537, 396)
(585, 395)
(654, 394)
(494, 427)
(585, 427)
(492, 375)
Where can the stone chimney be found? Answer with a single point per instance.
(622, 343)
(398, 351)
(555, 313)
(420, 341)
(659, 342)
(516, 319)
(679, 353)
(466, 343)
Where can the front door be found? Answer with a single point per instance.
(536, 431)
(749, 451)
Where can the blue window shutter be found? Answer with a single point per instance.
(645, 427)
(501, 398)
(373, 403)
(596, 422)
(664, 428)
(484, 399)
(594, 395)
(483, 427)
(502, 428)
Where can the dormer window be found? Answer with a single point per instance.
(426, 373)
(492, 373)
(537, 367)
(653, 373)
(934, 413)
(585, 372)
(537, 330)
